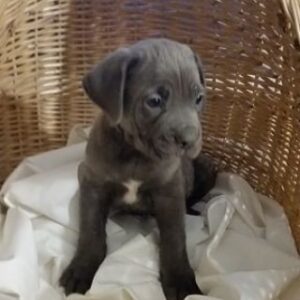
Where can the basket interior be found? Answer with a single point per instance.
(251, 63)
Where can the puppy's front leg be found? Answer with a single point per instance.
(91, 248)
(177, 276)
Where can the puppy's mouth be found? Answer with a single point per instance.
(194, 151)
(163, 147)
(160, 147)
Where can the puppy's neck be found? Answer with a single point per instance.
(122, 146)
(109, 154)
(119, 143)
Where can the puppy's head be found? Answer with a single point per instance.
(155, 91)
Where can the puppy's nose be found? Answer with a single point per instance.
(186, 137)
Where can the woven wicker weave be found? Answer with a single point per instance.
(252, 66)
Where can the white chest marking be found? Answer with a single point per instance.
(132, 186)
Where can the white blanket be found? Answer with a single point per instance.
(241, 247)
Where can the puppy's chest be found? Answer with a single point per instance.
(135, 183)
(132, 191)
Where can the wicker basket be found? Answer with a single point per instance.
(252, 122)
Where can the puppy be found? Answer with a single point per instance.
(142, 156)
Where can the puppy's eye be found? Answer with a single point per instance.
(199, 99)
(154, 101)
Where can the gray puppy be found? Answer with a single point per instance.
(143, 156)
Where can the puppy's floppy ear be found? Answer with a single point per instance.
(200, 69)
(105, 83)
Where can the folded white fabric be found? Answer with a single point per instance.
(241, 247)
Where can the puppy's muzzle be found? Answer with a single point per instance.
(186, 137)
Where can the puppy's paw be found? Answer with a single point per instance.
(179, 287)
(78, 276)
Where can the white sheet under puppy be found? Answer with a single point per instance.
(241, 248)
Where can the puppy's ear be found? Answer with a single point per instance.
(105, 83)
(200, 69)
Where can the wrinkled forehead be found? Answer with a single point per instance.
(167, 63)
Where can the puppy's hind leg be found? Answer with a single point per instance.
(205, 174)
